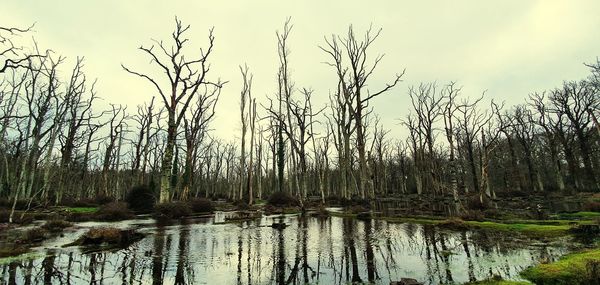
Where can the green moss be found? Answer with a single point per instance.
(498, 282)
(576, 268)
(342, 214)
(580, 215)
(556, 228)
(423, 221)
(531, 229)
(6, 252)
(82, 209)
(18, 255)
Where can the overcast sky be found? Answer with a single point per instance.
(509, 48)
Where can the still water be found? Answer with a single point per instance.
(310, 250)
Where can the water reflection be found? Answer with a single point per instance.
(309, 250)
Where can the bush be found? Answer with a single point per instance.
(80, 216)
(241, 205)
(83, 202)
(108, 236)
(115, 211)
(5, 215)
(473, 203)
(591, 206)
(34, 235)
(493, 214)
(141, 199)
(103, 199)
(101, 235)
(220, 196)
(200, 205)
(21, 204)
(172, 210)
(282, 199)
(321, 212)
(56, 225)
(335, 200)
(355, 209)
(472, 216)
(454, 224)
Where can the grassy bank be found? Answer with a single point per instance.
(581, 268)
(550, 228)
(497, 282)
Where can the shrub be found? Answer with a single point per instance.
(34, 235)
(56, 225)
(21, 204)
(200, 205)
(5, 215)
(220, 196)
(241, 205)
(103, 199)
(492, 214)
(12, 251)
(321, 212)
(355, 209)
(591, 206)
(335, 200)
(106, 238)
(172, 210)
(80, 216)
(454, 224)
(100, 235)
(472, 216)
(114, 211)
(474, 203)
(282, 199)
(83, 202)
(141, 199)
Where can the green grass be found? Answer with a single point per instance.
(529, 227)
(535, 228)
(19, 256)
(497, 282)
(342, 214)
(82, 209)
(526, 228)
(580, 215)
(423, 221)
(571, 269)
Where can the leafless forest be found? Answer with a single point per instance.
(56, 146)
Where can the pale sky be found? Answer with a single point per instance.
(509, 48)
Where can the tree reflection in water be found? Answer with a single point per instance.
(309, 250)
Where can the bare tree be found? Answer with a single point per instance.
(470, 123)
(427, 105)
(185, 78)
(115, 124)
(354, 76)
(246, 117)
(143, 119)
(450, 93)
(548, 125)
(13, 56)
(573, 101)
